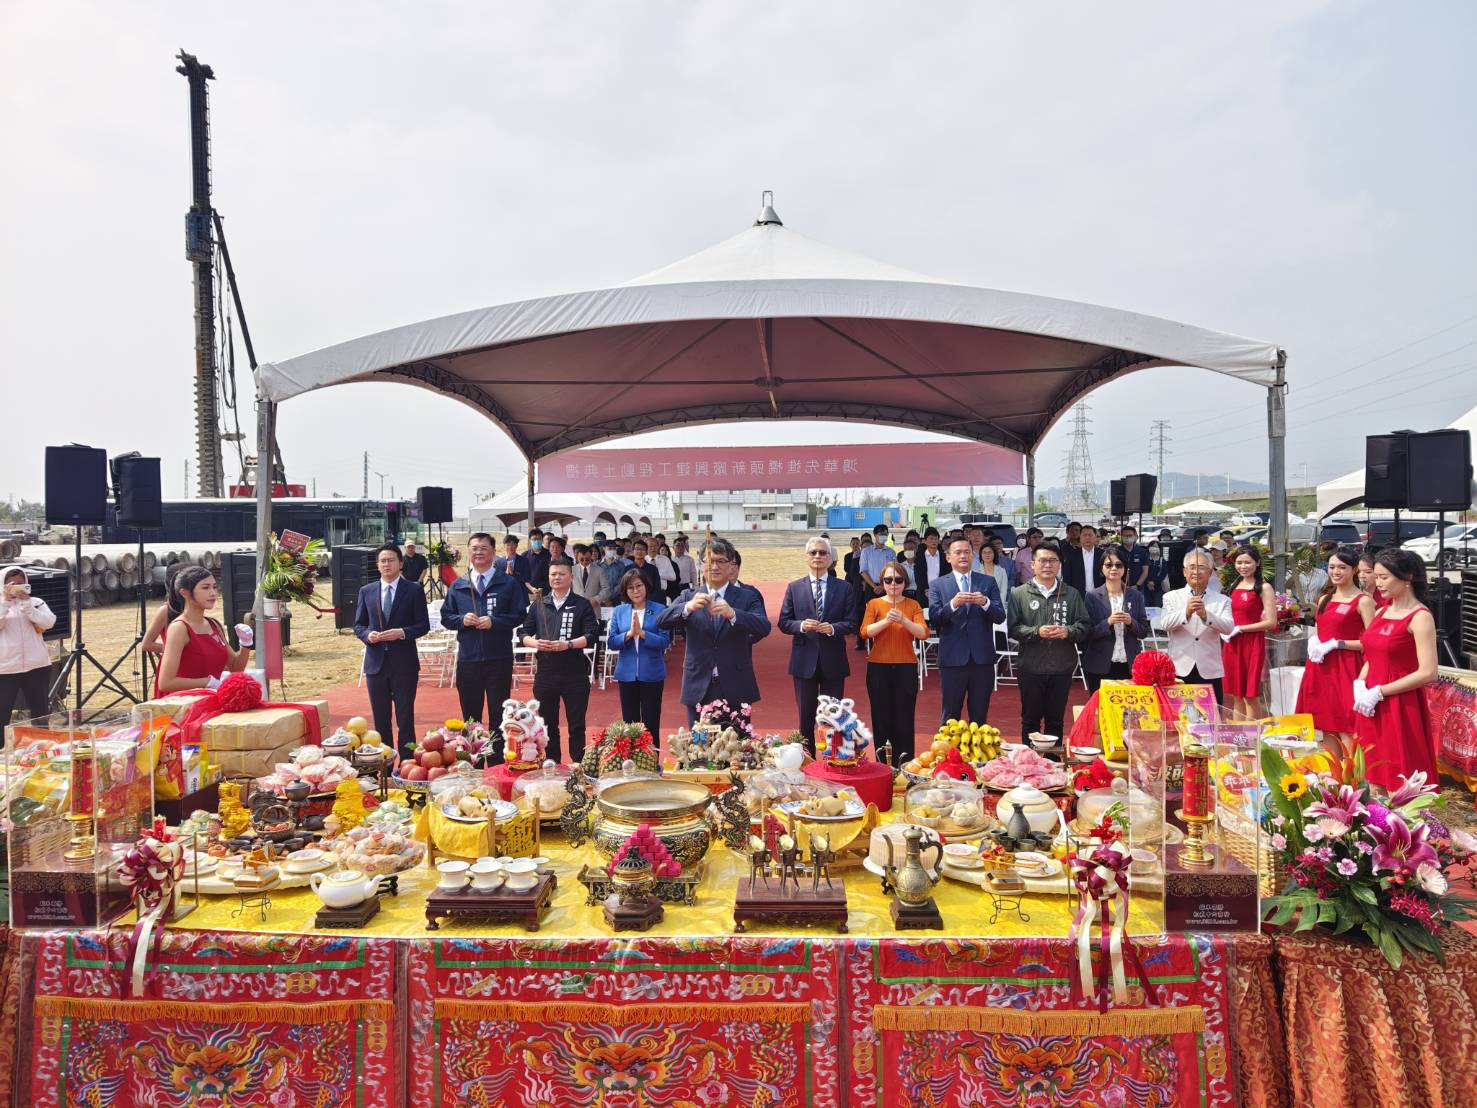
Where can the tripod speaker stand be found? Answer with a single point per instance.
(79, 655)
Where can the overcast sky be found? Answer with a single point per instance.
(1296, 172)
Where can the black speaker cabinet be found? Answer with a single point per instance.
(1385, 484)
(55, 587)
(1439, 471)
(237, 580)
(139, 492)
(76, 485)
(353, 568)
(1116, 491)
(1138, 494)
(435, 504)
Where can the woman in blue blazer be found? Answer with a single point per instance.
(640, 671)
(1119, 623)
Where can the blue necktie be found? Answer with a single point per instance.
(816, 587)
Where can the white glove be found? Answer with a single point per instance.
(245, 635)
(213, 683)
(1233, 633)
(1365, 698)
(1318, 650)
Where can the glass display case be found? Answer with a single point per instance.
(544, 790)
(78, 796)
(1149, 832)
(955, 809)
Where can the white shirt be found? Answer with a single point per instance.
(1088, 557)
(686, 568)
(934, 561)
(1195, 643)
(1115, 604)
(21, 622)
(557, 600)
(387, 595)
(1046, 593)
(810, 582)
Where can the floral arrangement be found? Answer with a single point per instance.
(720, 715)
(442, 553)
(622, 742)
(1359, 862)
(293, 575)
(1289, 611)
(1153, 667)
(707, 747)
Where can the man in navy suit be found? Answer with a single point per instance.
(390, 616)
(819, 611)
(723, 619)
(963, 607)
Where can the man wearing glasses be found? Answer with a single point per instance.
(1048, 618)
(965, 606)
(818, 612)
(722, 619)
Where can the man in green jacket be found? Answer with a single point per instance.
(1048, 618)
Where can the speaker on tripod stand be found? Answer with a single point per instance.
(138, 502)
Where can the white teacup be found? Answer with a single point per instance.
(543, 865)
(487, 874)
(521, 873)
(1142, 861)
(453, 875)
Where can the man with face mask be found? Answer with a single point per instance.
(1136, 556)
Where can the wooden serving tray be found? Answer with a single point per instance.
(770, 905)
(498, 906)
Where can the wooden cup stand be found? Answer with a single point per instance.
(500, 905)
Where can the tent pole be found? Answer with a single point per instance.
(266, 431)
(1030, 490)
(530, 498)
(1277, 472)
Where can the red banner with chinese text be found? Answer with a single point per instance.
(858, 465)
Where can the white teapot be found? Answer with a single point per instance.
(1040, 811)
(344, 888)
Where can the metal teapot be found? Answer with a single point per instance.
(912, 881)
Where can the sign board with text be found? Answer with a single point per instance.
(859, 465)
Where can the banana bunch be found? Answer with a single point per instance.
(976, 742)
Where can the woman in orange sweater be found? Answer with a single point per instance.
(892, 622)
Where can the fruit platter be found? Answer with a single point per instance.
(1023, 766)
(972, 744)
(438, 752)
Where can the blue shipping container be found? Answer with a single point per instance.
(840, 518)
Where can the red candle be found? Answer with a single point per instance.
(1197, 782)
(83, 766)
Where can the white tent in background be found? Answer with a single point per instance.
(1338, 492)
(600, 510)
(1199, 508)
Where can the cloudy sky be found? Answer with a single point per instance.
(1297, 172)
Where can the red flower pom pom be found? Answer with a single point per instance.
(239, 693)
(1154, 667)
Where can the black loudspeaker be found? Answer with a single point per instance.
(137, 492)
(76, 485)
(1439, 471)
(237, 580)
(1138, 494)
(353, 568)
(1116, 491)
(55, 587)
(435, 504)
(1385, 483)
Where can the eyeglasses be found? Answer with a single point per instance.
(892, 580)
(1112, 565)
(719, 562)
(1047, 561)
(814, 553)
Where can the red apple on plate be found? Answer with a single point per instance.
(431, 759)
(435, 772)
(433, 742)
(410, 771)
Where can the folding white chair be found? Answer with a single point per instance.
(1005, 655)
(525, 661)
(437, 652)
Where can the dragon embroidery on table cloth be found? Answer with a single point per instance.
(640, 1065)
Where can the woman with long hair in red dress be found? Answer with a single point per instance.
(196, 652)
(1335, 653)
(1393, 724)
(1244, 653)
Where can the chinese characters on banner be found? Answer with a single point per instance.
(861, 465)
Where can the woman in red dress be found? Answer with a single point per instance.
(1393, 724)
(1366, 577)
(1335, 652)
(196, 652)
(1244, 653)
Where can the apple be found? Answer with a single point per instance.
(435, 772)
(431, 759)
(433, 742)
(412, 772)
(358, 725)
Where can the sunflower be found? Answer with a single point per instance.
(454, 725)
(1293, 785)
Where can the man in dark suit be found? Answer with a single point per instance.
(930, 562)
(964, 607)
(389, 617)
(1076, 562)
(723, 620)
(484, 608)
(561, 625)
(818, 611)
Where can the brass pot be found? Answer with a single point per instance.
(674, 810)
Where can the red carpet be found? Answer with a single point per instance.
(774, 712)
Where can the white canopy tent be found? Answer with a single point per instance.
(564, 508)
(1338, 493)
(772, 325)
(1199, 508)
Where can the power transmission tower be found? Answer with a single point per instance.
(1081, 488)
(1158, 440)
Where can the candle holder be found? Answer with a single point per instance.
(1196, 807)
(82, 845)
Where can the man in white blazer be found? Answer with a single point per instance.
(1194, 619)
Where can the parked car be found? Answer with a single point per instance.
(1380, 533)
(1345, 532)
(1460, 542)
